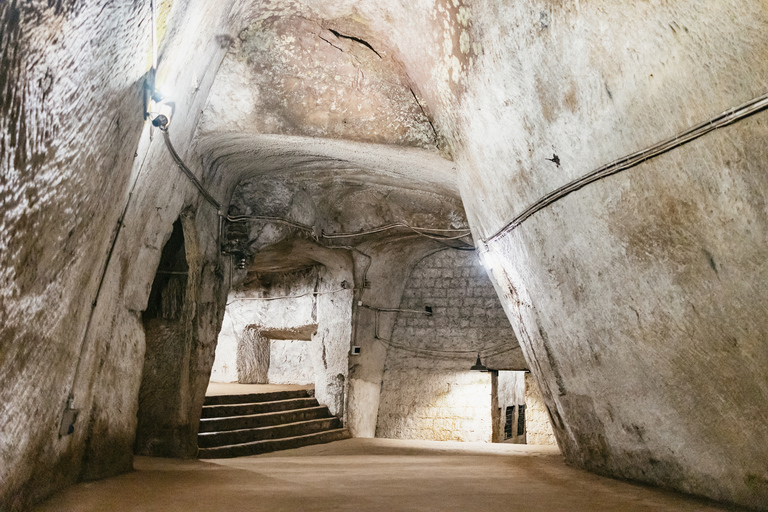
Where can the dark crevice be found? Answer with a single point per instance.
(356, 39)
(330, 43)
(434, 131)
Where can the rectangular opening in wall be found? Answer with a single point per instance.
(521, 419)
(510, 418)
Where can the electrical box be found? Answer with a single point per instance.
(68, 420)
(355, 351)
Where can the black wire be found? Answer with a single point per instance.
(176, 158)
(724, 119)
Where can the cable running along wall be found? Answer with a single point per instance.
(726, 118)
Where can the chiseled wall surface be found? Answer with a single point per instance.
(538, 428)
(656, 271)
(76, 158)
(321, 360)
(427, 391)
(293, 361)
(225, 362)
(467, 314)
(246, 308)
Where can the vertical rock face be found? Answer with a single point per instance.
(86, 205)
(640, 299)
(252, 357)
(70, 91)
(538, 424)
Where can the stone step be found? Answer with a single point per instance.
(271, 445)
(300, 428)
(272, 396)
(263, 420)
(223, 411)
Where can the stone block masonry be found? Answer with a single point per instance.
(433, 395)
(435, 405)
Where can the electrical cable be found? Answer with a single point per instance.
(450, 354)
(396, 310)
(426, 232)
(105, 268)
(313, 293)
(243, 218)
(724, 119)
(189, 174)
(153, 22)
(394, 225)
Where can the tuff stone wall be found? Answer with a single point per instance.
(291, 362)
(87, 201)
(225, 361)
(428, 391)
(538, 427)
(422, 402)
(656, 271)
(309, 303)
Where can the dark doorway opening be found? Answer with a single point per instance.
(163, 429)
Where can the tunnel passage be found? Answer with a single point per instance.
(162, 429)
(269, 333)
(659, 270)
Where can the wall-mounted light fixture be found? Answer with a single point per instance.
(160, 110)
(486, 258)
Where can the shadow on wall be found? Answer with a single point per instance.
(162, 427)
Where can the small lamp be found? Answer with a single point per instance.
(160, 110)
(478, 366)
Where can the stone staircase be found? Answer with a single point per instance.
(239, 425)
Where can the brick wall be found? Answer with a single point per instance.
(467, 312)
(433, 395)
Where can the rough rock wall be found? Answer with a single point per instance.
(655, 272)
(538, 427)
(422, 400)
(225, 359)
(511, 393)
(466, 313)
(312, 297)
(291, 362)
(253, 357)
(163, 427)
(77, 159)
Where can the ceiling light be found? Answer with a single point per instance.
(479, 366)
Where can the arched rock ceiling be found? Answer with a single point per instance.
(234, 157)
(291, 75)
(318, 91)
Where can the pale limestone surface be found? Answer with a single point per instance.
(512, 393)
(323, 359)
(290, 362)
(538, 427)
(225, 362)
(427, 390)
(424, 403)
